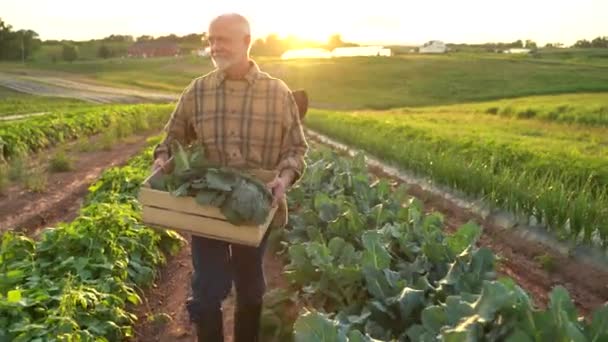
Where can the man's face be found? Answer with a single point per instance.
(228, 43)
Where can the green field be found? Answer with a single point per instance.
(554, 172)
(583, 108)
(12, 103)
(363, 82)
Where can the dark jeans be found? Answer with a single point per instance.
(216, 264)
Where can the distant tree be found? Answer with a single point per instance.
(119, 38)
(69, 52)
(334, 41)
(583, 43)
(145, 38)
(17, 45)
(274, 46)
(104, 51)
(170, 38)
(600, 42)
(258, 48)
(530, 44)
(517, 44)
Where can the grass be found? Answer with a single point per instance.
(4, 181)
(14, 103)
(109, 138)
(366, 82)
(555, 174)
(35, 180)
(84, 144)
(61, 162)
(585, 109)
(16, 169)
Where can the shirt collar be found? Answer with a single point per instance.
(251, 75)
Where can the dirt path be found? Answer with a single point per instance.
(45, 85)
(25, 210)
(169, 296)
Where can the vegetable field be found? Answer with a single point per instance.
(36, 133)
(76, 281)
(550, 173)
(12, 103)
(363, 258)
(369, 265)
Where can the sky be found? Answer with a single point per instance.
(365, 22)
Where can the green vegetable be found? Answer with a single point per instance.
(240, 197)
(369, 265)
(77, 281)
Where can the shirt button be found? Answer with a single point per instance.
(232, 133)
(233, 111)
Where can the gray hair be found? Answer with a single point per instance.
(241, 22)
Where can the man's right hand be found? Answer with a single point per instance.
(161, 163)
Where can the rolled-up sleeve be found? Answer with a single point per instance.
(179, 127)
(293, 146)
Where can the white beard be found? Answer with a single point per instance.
(222, 63)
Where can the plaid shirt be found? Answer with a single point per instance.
(249, 123)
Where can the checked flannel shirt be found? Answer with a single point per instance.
(248, 123)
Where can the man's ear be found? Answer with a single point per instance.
(247, 39)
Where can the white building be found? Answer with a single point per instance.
(433, 46)
(306, 53)
(517, 51)
(203, 52)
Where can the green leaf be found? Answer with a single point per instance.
(433, 318)
(316, 327)
(465, 236)
(410, 301)
(518, 336)
(327, 208)
(182, 190)
(210, 197)
(494, 297)
(456, 309)
(347, 254)
(222, 181)
(599, 325)
(13, 296)
(319, 254)
(375, 255)
(560, 304)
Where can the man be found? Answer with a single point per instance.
(245, 118)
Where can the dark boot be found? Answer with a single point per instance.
(247, 323)
(210, 327)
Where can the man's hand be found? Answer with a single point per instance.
(278, 186)
(161, 163)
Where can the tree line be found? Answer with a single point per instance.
(23, 44)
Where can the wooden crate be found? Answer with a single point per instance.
(165, 211)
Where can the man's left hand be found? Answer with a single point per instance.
(278, 187)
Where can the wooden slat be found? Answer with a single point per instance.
(207, 227)
(186, 204)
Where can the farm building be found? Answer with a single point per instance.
(205, 52)
(153, 49)
(517, 51)
(306, 53)
(433, 46)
